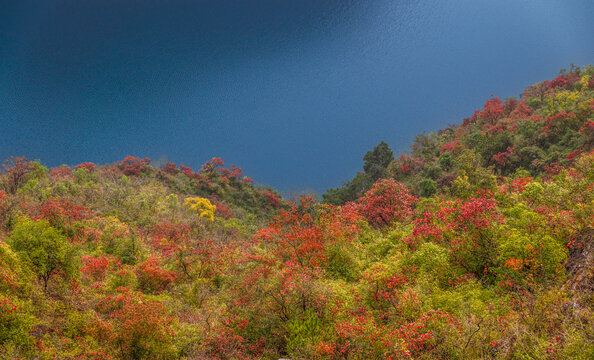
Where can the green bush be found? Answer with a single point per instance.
(42, 247)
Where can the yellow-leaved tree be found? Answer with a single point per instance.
(201, 206)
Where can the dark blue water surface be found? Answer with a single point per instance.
(295, 92)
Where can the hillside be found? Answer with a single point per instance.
(537, 135)
(476, 245)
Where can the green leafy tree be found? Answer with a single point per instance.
(351, 191)
(376, 163)
(428, 187)
(43, 247)
(445, 161)
(377, 160)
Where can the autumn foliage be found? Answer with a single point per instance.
(477, 244)
(387, 201)
(133, 166)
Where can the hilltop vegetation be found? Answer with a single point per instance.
(476, 245)
(540, 134)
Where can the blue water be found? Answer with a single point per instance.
(295, 92)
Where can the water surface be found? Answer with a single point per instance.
(293, 91)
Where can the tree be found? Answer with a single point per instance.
(377, 160)
(152, 278)
(133, 166)
(388, 200)
(201, 206)
(428, 187)
(16, 170)
(350, 191)
(376, 163)
(138, 327)
(445, 160)
(87, 165)
(296, 236)
(42, 246)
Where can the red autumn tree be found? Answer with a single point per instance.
(138, 327)
(61, 173)
(87, 165)
(501, 159)
(302, 234)
(170, 168)
(222, 209)
(62, 213)
(295, 235)
(133, 166)
(152, 278)
(191, 255)
(493, 110)
(168, 237)
(186, 170)
(95, 267)
(15, 173)
(387, 201)
(214, 163)
(273, 200)
(564, 81)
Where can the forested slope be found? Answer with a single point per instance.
(476, 245)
